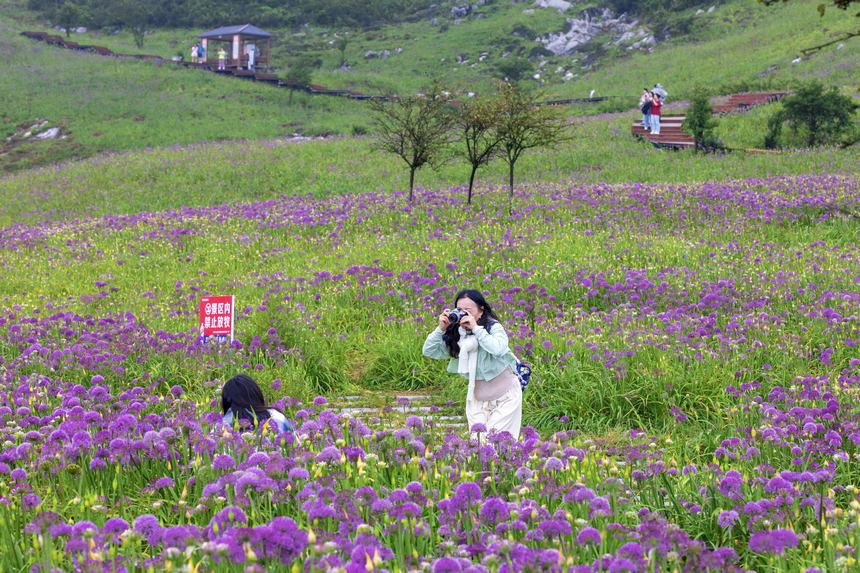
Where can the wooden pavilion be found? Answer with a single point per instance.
(240, 40)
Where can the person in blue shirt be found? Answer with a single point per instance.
(242, 399)
(476, 346)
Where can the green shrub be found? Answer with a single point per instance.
(819, 115)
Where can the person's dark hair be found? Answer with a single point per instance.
(451, 336)
(242, 396)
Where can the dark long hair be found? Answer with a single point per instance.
(243, 397)
(488, 318)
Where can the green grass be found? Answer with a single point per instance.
(602, 150)
(741, 40)
(106, 104)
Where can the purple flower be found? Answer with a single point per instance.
(599, 506)
(446, 565)
(163, 482)
(329, 454)
(523, 473)
(553, 464)
(223, 462)
(730, 486)
(469, 490)
(774, 542)
(148, 526)
(727, 519)
(494, 510)
(298, 473)
(588, 536)
(30, 501)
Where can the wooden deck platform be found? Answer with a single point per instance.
(671, 135)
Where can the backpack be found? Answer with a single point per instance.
(524, 374)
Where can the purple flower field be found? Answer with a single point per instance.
(694, 405)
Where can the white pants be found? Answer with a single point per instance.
(504, 414)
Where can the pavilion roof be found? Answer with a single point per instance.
(225, 32)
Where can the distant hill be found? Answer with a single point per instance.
(568, 49)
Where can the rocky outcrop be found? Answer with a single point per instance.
(560, 5)
(593, 23)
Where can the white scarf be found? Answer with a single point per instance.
(468, 358)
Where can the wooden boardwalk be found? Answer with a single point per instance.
(671, 135)
(742, 102)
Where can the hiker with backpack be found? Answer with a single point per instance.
(656, 106)
(476, 346)
(645, 108)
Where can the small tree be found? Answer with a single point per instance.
(135, 15)
(700, 122)
(299, 73)
(823, 115)
(477, 122)
(415, 128)
(523, 124)
(341, 43)
(69, 15)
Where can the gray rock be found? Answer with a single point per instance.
(460, 11)
(370, 54)
(560, 5)
(52, 133)
(384, 54)
(81, 30)
(711, 9)
(434, 21)
(767, 72)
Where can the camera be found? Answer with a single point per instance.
(456, 315)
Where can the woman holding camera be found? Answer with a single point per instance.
(476, 346)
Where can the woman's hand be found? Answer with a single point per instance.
(468, 322)
(444, 323)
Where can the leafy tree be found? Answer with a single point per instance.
(300, 72)
(524, 124)
(135, 15)
(477, 126)
(700, 122)
(823, 115)
(69, 15)
(415, 128)
(340, 44)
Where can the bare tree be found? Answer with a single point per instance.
(524, 124)
(415, 128)
(477, 125)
